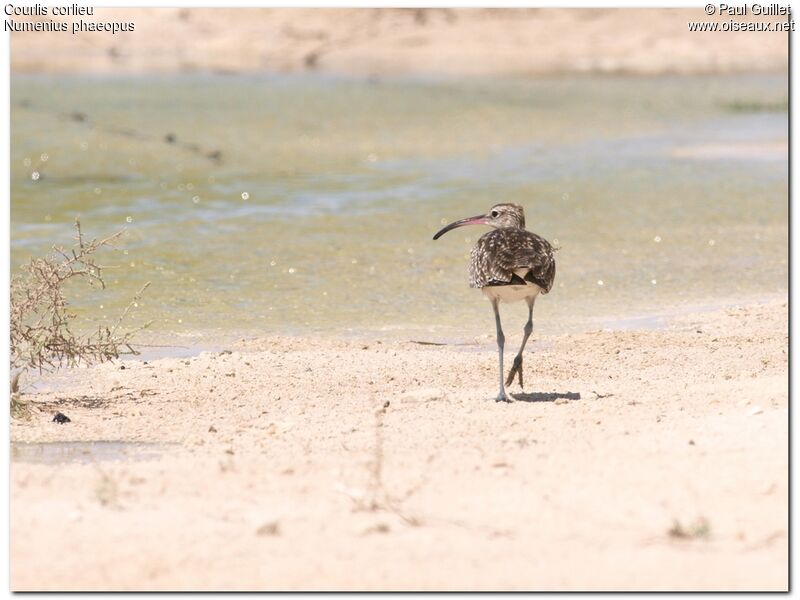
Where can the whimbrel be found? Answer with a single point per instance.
(509, 264)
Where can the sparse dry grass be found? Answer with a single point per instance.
(378, 498)
(43, 336)
(700, 529)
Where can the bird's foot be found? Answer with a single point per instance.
(516, 369)
(501, 397)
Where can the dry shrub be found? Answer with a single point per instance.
(43, 337)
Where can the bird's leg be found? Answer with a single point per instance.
(501, 341)
(516, 368)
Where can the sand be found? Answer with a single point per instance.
(402, 42)
(635, 460)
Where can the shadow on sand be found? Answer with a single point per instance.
(545, 396)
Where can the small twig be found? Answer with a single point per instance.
(132, 304)
(379, 497)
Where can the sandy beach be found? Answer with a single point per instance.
(634, 460)
(401, 42)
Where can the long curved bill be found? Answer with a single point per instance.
(479, 220)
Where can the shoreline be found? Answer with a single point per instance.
(199, 341)
(403, 79)
(466, 42)
(657, 459)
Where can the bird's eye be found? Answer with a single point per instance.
(494, 214)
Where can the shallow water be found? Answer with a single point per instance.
(57, 453)
(319, 213)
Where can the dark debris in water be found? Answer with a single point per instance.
(739, 106)
(81, 118)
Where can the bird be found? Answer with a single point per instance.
(508, 264)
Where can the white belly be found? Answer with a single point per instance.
(511, 293)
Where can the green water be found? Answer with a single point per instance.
(318, 218)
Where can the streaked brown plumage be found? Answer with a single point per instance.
(500, 252)
(509, 264)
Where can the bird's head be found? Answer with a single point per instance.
(500, 216)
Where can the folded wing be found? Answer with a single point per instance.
(501, 252)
